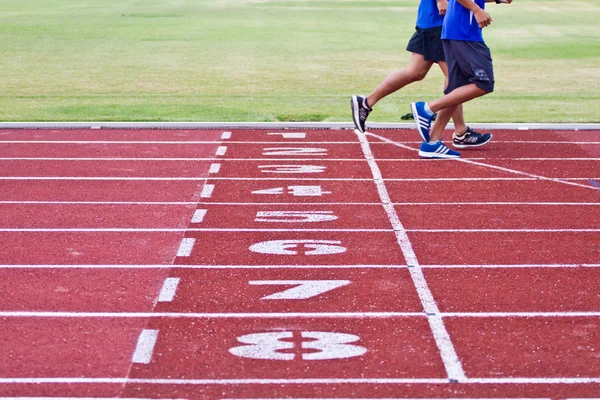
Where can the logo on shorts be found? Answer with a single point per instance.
(481, 75)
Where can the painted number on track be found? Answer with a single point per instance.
(294, 151)
(297, 191)
(295, 216)
(302, 290)
(309, 247)
(291, 345)
(292, 169)
(289, 135)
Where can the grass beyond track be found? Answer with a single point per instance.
(276, 60)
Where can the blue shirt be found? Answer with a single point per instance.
(429, 15)
(460, 23)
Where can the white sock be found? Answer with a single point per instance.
(428, 109)
(432, 142)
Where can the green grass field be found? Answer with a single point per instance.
(277, 60)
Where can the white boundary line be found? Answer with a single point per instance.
(306, 381)
(286, 315)
(133, 398)
(255, 315)
(224, 179)
(336, 160)
(187, 203)
(277, 125)
(185, 266)
(259, 142)
(349, 230)
(448, 354)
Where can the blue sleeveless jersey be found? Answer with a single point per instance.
(429, 15)
(460, 23)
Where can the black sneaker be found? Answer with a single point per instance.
(360, 111)
(470, 138)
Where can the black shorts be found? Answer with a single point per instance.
(468, 62)
(427, 42)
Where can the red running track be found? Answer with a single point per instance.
(257, 264)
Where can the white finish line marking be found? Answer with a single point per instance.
(214, 168)
(167, 293)
(199, 216)
(221, 150)
(207, 191)
(226, 135)
(448, 354)
(186, 247)
(145, 346)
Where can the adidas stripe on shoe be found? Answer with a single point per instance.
(422, 119)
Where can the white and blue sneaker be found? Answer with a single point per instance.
(437, 150)
(422, 118)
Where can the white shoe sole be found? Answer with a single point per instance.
(424, 154)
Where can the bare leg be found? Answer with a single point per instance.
(457, 96)
(415, 71)
(443, 116)
(458, 117)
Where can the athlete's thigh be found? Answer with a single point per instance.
(419, 64)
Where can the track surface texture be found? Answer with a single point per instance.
(301, 264)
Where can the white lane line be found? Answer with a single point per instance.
(566, 230)
(356, 160)
(359, 266)
(169, 288)
(207, 191)
(85, 398)
(448, 354)
(214, 168)
(186, 203)
(186, 247)
(221, 150)
(171, 266)
(567, 314)
(500, 266)
(199, 216)
(225, 178)
(512, 171)
(407, 142)
(188, 230)
(145, 346)
(314, 381)
(516, 314)
(262, 315)
(398, 398)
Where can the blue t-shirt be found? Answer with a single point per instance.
(460, 23)
(429, 15)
